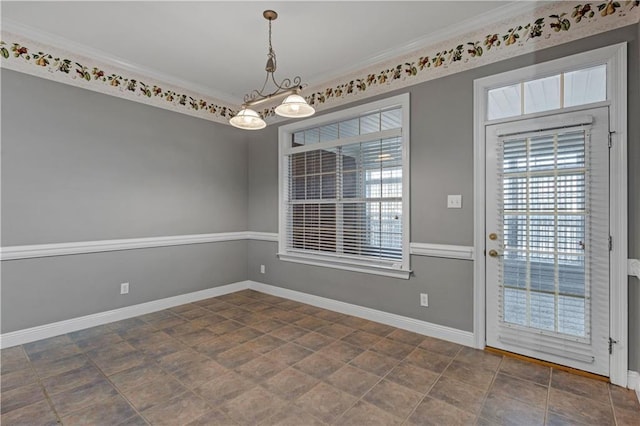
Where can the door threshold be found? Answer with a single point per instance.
(548, 364)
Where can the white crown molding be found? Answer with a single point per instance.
(22, 54)
(449, 51)
(47, 38)
(439, 60)
(442, 250)
(508, 10)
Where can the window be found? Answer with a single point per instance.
(344, 189)
(563, 90)
(544, 217)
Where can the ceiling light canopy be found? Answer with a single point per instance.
(294, 105)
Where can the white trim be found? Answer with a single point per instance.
(508, 11)
(20, 337)
(422, 327)
(403, 268)
(442, 250)
(633, 268)
(262, 236)
(84, 247)
(479, 230)
(169, 96)
(618, 193)
(633, 382)
(499, 20)
(346, 265)
(615, 57)
(47, 38)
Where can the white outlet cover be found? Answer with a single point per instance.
(454, 201)
(424, 299)
(124, 288)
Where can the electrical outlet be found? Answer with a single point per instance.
(262, 269)
(454, 201)
(424, 299)
(124, 288)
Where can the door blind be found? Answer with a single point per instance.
(544, 214)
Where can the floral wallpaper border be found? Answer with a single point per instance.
(547, 26)
(21, 54)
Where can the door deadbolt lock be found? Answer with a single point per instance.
(493, 253)
(493, 236)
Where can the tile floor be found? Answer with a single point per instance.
(250, 358)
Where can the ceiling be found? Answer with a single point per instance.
(219, 48)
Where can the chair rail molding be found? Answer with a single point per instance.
(84, 247)
(442, 250)
(633, 268)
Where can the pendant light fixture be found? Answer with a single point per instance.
(294, 105)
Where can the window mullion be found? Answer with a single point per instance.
(339, 207)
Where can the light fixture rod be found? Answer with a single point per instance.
(294, 105)
(258, 101)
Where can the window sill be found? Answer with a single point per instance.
(346, 265)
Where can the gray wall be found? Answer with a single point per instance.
(441, 163)
(79, 166)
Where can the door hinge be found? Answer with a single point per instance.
(611, 343)
(611, 139)
(610, 243)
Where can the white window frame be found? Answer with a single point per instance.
(400, 269)
(615, 57)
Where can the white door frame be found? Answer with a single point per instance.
(615, 57)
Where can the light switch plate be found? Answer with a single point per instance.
(454, 201)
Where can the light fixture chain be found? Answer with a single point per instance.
(270, 48)
(292, 107)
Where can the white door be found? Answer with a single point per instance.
(547, 242)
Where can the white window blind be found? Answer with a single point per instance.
(544, 213)
(344, 193)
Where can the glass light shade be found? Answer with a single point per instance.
(247, 119)
(294, 106)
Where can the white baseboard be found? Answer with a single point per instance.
(461, 337)
(20, 337)
(633, 382)
(405, 323)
